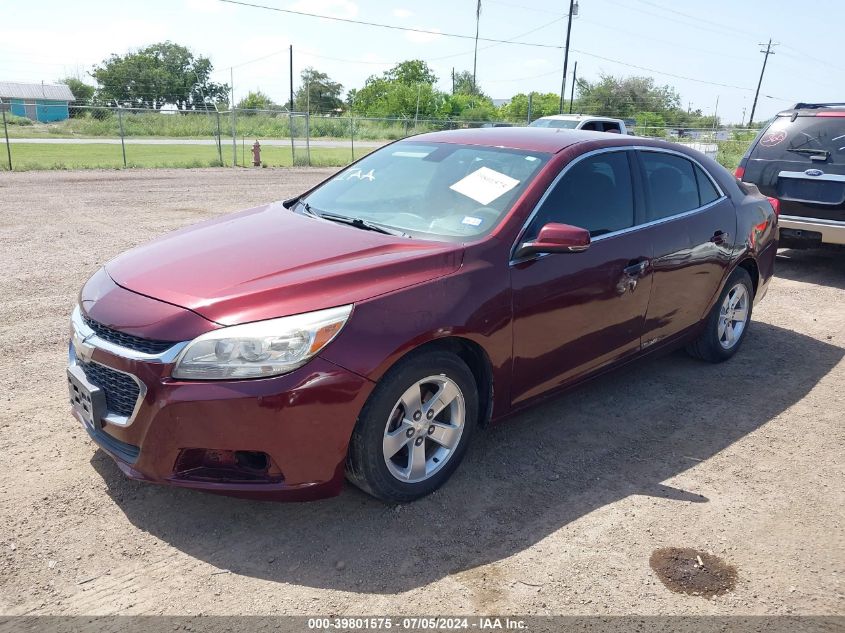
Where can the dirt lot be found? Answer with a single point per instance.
(556, 512)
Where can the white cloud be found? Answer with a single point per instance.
(422, 38)
(402, 13)
(331, 8)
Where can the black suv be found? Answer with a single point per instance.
(799, 158)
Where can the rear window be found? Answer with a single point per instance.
(555, 123)
(789, 140)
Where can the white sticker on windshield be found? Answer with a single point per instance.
(472, 221)
(484, 185)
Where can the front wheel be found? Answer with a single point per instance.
(414, 429)
(727, 323)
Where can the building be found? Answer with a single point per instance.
(39, 102)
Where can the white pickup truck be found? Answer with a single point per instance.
(582, 122)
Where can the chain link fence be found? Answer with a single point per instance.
(115, 137)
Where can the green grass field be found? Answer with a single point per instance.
(28, 156)
(203, 125)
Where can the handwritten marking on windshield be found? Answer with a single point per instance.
(358, 174)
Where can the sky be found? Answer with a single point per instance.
(691, 45)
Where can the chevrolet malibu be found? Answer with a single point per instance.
(371, 326)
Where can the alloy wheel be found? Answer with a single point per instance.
(424, 429)
(733, 316)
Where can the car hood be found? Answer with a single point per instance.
(269, 262)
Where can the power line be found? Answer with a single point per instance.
(718, 25)
(686, 23)
(387, 26)
(377, 63)
(815, 59)
(525, 7)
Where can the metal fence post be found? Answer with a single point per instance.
(219, 139)
(308, 136)
(234, 141)
(290, 131)
(6, 132)
(120, 124)
(352, 133)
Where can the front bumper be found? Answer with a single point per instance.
(302, 421)
(811, 230)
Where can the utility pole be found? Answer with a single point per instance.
(475, 52)
(453, 80)
(716, 113)
(767, 52)
(573, 10)
(572, 88)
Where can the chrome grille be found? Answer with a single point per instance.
(136, 343)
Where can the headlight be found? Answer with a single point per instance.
(260, 349)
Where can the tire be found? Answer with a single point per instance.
(390, 420)
(721, 339)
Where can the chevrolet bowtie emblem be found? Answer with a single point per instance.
(84, 350)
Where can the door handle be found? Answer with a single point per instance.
(636, 269)
(719, 237)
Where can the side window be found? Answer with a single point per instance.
(592, 126)
(670, 184)
(707, 193)
(595, 194)
(610, 126)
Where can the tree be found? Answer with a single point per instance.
(256, 100)
(157, 75)
(464, 84)
(83, 94)
(624, 97)
(317, 93)
(411, 72)
(542, 104)
(406, 90)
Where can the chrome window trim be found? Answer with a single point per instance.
(110, 417)
(90, 337)
(604, 150)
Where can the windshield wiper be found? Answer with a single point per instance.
(358, 223)
(807, 150)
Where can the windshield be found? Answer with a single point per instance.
(806, 136)
(438, 191)
(569, 124)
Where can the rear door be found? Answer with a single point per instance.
(693, 229)
(802, 163)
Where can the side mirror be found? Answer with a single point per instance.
(555, 238)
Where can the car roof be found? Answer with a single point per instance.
(812, 109)
(530, 139)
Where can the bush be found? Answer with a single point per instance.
(14, 119)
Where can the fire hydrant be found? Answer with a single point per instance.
(256, 154)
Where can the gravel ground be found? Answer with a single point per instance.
(555, 512)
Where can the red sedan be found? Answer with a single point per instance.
(371, 326)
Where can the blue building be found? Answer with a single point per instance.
(39, 102)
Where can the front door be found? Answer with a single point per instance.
(693, 231)
(574, 312)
